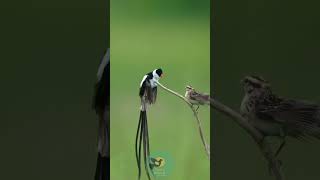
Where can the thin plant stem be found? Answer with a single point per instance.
(273, 163)
(195, 113)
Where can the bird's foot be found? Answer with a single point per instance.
(280, 148)
(278, 165)
(195, 109)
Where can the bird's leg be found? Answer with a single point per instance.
(280, 147)
(283, 142)
(196, 108)
(279, 164)
(264, 142)
(283, 133)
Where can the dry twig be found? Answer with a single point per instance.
(206, 146)
(274, 164)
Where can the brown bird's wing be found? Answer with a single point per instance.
(201, 98)
(299, 119)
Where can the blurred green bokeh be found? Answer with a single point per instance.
(145, 36)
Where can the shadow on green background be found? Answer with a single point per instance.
(144, 37)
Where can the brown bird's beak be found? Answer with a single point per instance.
(162, 75)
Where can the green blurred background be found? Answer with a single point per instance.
(49, 57)
(173, 35)
(278, 40)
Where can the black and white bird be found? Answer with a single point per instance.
(101, 104)
(148, 86)
(277, 116)
(148, 96)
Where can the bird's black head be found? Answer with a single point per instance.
(159, 72)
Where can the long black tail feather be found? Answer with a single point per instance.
(139, 140)
(103, 168)
(146, 145)
(142, 137)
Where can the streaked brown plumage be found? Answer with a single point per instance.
(277, 116)
(197, 98)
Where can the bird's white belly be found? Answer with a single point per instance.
(153, 83)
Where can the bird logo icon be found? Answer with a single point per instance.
(158, 162)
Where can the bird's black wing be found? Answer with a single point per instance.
(142, 89)
(154, 94)
(101, 103)
(297, 117)
(149, 93)
(101, 97)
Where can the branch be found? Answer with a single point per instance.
(274, 164)
(206, 146)
(241, 121)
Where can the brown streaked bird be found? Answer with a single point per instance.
(196, 98)
(273, 115)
